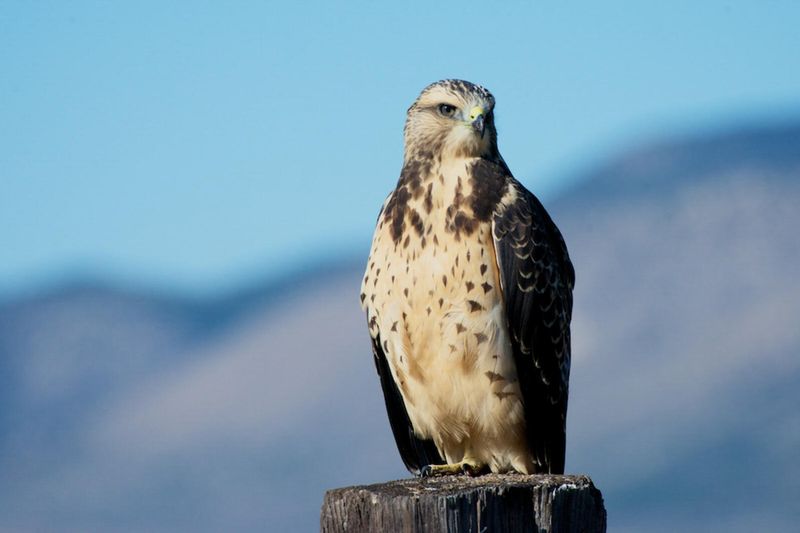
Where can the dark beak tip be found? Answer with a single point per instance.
(480, 125)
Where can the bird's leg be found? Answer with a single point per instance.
(468, 467)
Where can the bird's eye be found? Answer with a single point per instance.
(447, 110)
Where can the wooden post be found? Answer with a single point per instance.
(455, 504)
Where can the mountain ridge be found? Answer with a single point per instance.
(234, 410)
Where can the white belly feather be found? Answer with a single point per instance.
(438, 309)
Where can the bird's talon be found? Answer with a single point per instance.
(468, 470)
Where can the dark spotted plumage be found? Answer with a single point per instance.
(468, 295)
(537, 280)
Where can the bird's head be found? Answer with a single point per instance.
(451, 118)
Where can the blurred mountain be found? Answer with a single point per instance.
(126, 410)
(686, 372)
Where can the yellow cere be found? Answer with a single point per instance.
(475, 112)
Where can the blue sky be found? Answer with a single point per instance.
(197, 146)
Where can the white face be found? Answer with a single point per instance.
(453, 123)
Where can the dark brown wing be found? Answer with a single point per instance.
(537, 279)
(415, 452)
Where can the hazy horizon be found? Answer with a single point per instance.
(344, 253)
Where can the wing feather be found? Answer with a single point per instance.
(537, 280)
(415, 452)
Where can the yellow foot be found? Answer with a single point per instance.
(469, 468)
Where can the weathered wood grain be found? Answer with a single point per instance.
(490, 503)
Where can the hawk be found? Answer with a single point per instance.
(468, 295)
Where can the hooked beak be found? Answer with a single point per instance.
(477, 120)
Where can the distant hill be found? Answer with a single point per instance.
(122, 410)
(687, 345)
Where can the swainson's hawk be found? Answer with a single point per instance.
(468, 294)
